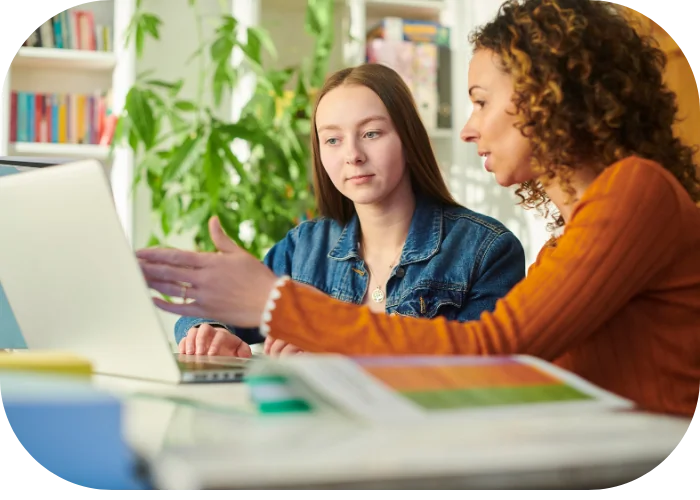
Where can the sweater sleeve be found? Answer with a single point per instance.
(620, 235)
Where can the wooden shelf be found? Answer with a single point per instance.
(49, 149)
(65, 59)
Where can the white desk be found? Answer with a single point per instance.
(208, 436)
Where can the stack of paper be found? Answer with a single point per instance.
(387, 388)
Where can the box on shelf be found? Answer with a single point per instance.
(420, 52)
(411, 30)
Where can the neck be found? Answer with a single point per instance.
(565, 203)
(384, 226)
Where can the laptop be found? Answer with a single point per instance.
(74, 284)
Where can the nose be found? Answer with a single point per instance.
(469, 132)
(353, 154)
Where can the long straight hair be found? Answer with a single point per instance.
(426, 178)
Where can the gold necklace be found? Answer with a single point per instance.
(378, 294)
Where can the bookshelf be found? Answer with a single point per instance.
(73, 70)
(64, 59)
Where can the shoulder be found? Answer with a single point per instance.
(636, 187)
(461, 219)
(632, 192)
(315, 229)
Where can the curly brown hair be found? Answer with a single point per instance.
(588, 89)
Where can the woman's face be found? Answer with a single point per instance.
(491, 125)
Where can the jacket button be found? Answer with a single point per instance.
(400, 272)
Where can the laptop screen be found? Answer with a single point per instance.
(10, 333)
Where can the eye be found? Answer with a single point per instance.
(372, 134)
(332, 141)
(481, 104)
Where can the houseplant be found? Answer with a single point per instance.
(183, 150)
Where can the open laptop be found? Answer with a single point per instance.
(74, 283)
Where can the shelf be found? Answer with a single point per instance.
(406, 9)
(76, 151)
(65, 59)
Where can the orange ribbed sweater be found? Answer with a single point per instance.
(616, 299)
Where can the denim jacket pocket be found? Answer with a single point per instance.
(429, 302)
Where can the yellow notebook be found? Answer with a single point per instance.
(44, 361)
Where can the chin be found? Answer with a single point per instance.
(505, 181)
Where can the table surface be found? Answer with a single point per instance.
(211, 436)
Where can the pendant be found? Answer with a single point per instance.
(377, 295)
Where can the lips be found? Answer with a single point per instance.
(360, 179)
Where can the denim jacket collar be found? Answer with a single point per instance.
(423, 241)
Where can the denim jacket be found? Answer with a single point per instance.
(455, 263)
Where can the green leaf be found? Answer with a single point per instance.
(144, 74)
(196, 217)
(228, 26)
(141, 116)
(224, 77)
(139, 39)
(221, 48)
(178, 163)
(252, 49)
(153, 241)
(151, 24)
(213, 168)
(220, 144)
(263, 39)
(170, 213)
(240, 130)
(312, 24)
(173, 87)
(185, 105)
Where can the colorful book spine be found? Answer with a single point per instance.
(72, 29)
(58, 118)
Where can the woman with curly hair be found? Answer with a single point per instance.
(569, 103)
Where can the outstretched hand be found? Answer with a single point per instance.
(230, 286)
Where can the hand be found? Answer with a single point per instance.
(276, 347)
(213, 341)
(230, 286)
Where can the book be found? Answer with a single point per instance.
(423, 387)
(44, 361)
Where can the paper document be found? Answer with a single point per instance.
(418, 387)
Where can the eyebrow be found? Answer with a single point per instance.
(364, 121)
(473, 87)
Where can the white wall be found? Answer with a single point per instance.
(166, 58)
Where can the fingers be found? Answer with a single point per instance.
(173, 257)
(205, 335)
(224, 343)
(168, 273)
(276, 347)
(183, 342)
(173, 289)
(266, 345)
(219, 237)
(289, 349)
(243, 351)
